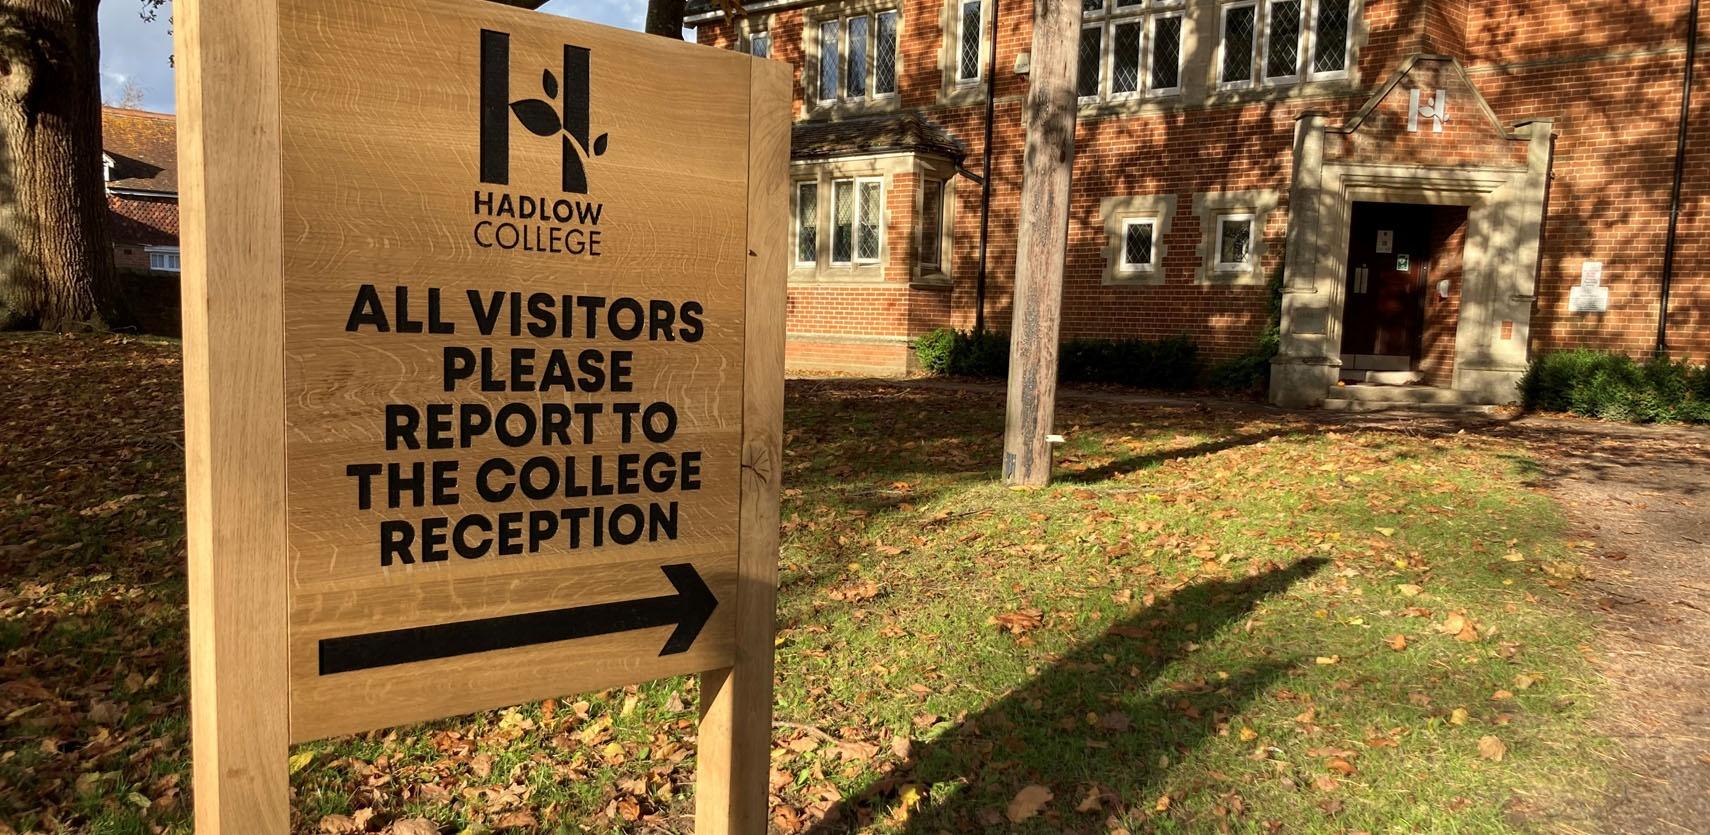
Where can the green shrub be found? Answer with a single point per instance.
(1249, 372)
(1613, 386)
(981, 354)
(933, 350)
(1171, 364)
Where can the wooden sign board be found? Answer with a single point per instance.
(483, 317)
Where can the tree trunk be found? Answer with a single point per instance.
(1042, 239)
(665, 18)
(56, 254)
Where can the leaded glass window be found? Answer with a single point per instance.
(1234, 242)
(885, 55)
(1125, 57)
(760, 44)
(1282, 40)
(931, 223)
(1167, 52)
(807, 223)
(1330, 37)
(830, 59)
(1115, 55)
(1091, 59)
(857, 73)
(842, 221)
(867, 229)
(1239, 26)
(858, 57)
(968, 54)
(1137, 244)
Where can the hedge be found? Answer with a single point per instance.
(1170, 364)
(1614, 386)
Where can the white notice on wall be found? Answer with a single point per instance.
(1385, 241)
(1585, 299)
(1591, 274)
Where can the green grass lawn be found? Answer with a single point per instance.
(1217, 620)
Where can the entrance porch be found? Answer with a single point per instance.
(1412, 247)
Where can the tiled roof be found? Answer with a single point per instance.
(144, 148)
(143, 221)
(891, 132)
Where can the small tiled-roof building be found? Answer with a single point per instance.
(140, 158)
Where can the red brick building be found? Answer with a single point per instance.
(140, 157)
(1438, 189)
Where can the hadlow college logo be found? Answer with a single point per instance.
(544, 117)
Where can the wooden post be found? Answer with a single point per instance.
(234, 418)
(735, 740)
(1043, 236)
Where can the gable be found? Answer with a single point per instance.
(1396, 126)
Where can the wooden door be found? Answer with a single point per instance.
(1388, 257)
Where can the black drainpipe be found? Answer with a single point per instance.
(986, 176)
(1679, 175)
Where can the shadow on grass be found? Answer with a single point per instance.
(1041, 733)
(1123, 466)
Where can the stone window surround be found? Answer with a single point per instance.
(812, 17)
(884, 168)
(1208, 207)
(1159, 208)
(1147, 16)
(1307, 45)
(1201, 50)
(954, 92)
(943, 171)
(750, 25)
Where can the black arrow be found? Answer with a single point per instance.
(689, 609)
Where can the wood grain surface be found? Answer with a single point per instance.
(734, 756)
(381, 168)
(333, 153)
(234, 422)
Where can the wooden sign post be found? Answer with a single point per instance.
(483, 339)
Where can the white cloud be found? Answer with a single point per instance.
(137, 51)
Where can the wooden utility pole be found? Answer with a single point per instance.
(1047, 170)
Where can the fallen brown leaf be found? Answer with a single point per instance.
(1491, 748)
(1027, 803)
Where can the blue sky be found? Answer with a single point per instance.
(135, 51)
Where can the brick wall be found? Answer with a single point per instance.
(1608, 72)
(1442, 315)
